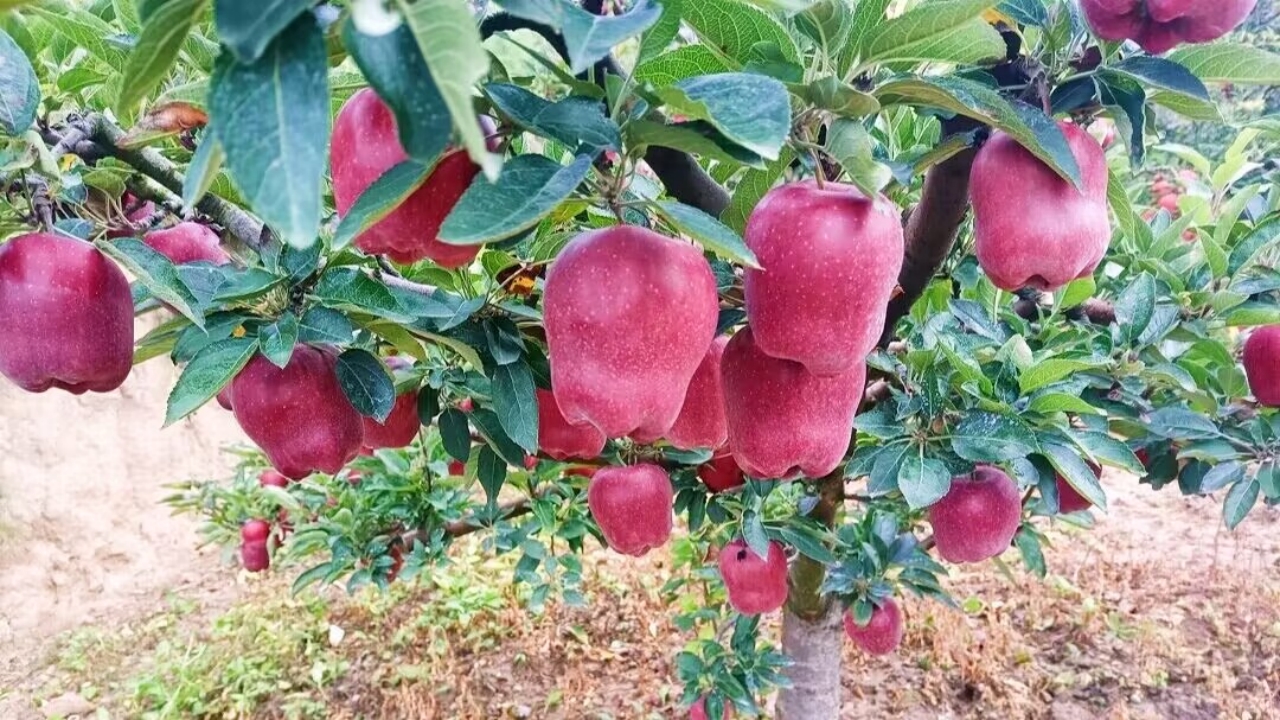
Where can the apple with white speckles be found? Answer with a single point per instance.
(254, 554)
(755, 585)
(978, 517)
(632, 506)
(831, 258)
(701, 423)
(629, 315)
(1160, 25)
(1262, 365)
(883, 632)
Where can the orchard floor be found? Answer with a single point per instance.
(109, 610)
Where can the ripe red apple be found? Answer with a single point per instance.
(721, 473)
(1159, 25)
(632, 506)
(1169, 202)
(466, 405)
(586, 471)
(224, 397)
(364, 146)
(66, 316)
(783, 418)
(253, 545)
(134, 212)
(883, 632)
(1031, 227)
(978, 516)
(755, 585)
(530, 462)
(831, 258)
(560, 440)
(188, 242)
(400, 427)
(457, 468)
(1262, 364)
(298, 415)
(271, 478)
(698, 711)
(701, 422)
(629, 315)
(1069, 500)
(1162, 187)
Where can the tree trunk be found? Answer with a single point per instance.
(814, 647)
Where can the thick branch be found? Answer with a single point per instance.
(807, 575)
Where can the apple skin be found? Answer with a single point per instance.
(831, 258)
(701, 423)
(882, 634)
(978, 517)
(755, 585)
(1031, 227)
(560, 440)
(1262, 364)
(783, 418)
(632, 506)
(1160, 25)
(271, 478)
(721, 473)
(298, 415)
(365, 145)
(698, 711)
(224, 398)
(1070, 501)
(457, 468)
(187, 242)
(400, 428)
(629, 316)
(253, 545)
(66, 316)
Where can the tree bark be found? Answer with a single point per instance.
(814, 646)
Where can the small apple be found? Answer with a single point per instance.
(135, 211)
(187, 242)
(1262, 364)
(254, 554)
(466, 405)
(721, 473)
(978, 516)
(632, 506)
(1069, 500)
(755, 585)
(531, 462)
(457, 468)
(1169, 202)
(560, 440)
(271, 478)
(698, 711)
(701, 423)
(883, 632)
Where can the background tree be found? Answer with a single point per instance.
(447, 260)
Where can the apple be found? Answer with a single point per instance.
(698, 711)
(1031, 227)
(1069, 500)
(400, 427)
(1159, 25)
(883, 632)
(632, 506)
(1262, 364)
(721, 473)
(365, 145)
(783, 418)
(978, 516)
(457, 468)
(187, 242)
(224, 397)
(701, 422)
(66, 316)
(629, 315)
(560, 440)
(134, 212)
(1169, 202)
(831, 258)
(298, 415)
(254, 554)
(530, 462)
(271, 478)
(586, 471)
(755, 585)
(1162, 187)
(466, 405)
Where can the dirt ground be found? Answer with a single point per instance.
(1156, 613)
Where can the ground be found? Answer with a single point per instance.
(108, 608)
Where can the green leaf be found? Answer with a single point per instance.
(844, 100)
(660, 34)
(1177, 423)
(683, 62)
(1026, 12)
(1136, 306)
(273, 121)
(1050, 371)
(490, 428)
(155, 51)
(378, 200)
(1130, 98)
(1240, 500)
(923, 481)
(1075, 471)
(1253, 314)
(1108, 450)
(278, 339)
(450, 44)
(395, 68)
(528, 190)
(347, 287)
(808, 542)
(324, 326)
(1160, 73)
(573, 121)
(249, 26)
(19, 88)
(492, 472)
(1029, 545)
(1061, 402)
(851, 145)
(754, 533)
(867, 16)
(516, 404)
(590, 37)
(428, 404)
(711, 233)
(753, 111)
(880, 423)
(367, 384)
(455, 435)
(203, 171)
(156, 273)
(990, 437)
(698, 138)
(1229, 63)
(1077, 291)
(83, 29)
(752, 186)
(208, 372)
(951, 30)
(735, 28)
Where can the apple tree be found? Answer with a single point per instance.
(853, 290)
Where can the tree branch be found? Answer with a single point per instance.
(805, 599)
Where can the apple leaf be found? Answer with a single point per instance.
(697, 137)
(808, 541)
(683, 62)
(156, 273)
(574, 121)
(248, 26)
(844, 100)
(348, 288)
(851, 145)
(660, 34)
(1240, 500)
(923, 481)
(1177, 423)
(530, 187)
(155, 51)
(273, 121)
(752, 186)
(736, 28)
(455, 435)
(1068, 463)
(367, 384)
(1047, 372)
(587, 37)
(1160, 73)
(382, 197)
(711, 233)
(1228, 62)
(1108, 450)
(492, 473)
(208, 372)
(753, 111)
(1028, 544)
(320, 325)
(984, 436)
(516, 404)
(83, 29)
(490, 428)
(278, 339)
(1136, 306)
(428, 404)
(203, 171)
(1222, 475)
(19, 88)
(754, 533)
(949, 30)
(1026, 12)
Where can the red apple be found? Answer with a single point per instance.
(698, 711)
(1159, 25)
(755, 585)
(466, 405)
(364, 146)
(254, 554)
(530, 462)
(701, 422)
(457, 468)
(721, 473)
(1169, 202)
(66, 316)
(1144, 457)
(632, 506)
(978, 516)
(224, 397)
(783, 418)
(1069, 500)
(560, 440)
(298, 415)
(883, 632)
(134, 212)
(1262, 364)
(1162, 187)
(400, 427)
(188, 242)
(271, 478)
(629, 315)
(586, 471)
(831, 258)
(1031, 227)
